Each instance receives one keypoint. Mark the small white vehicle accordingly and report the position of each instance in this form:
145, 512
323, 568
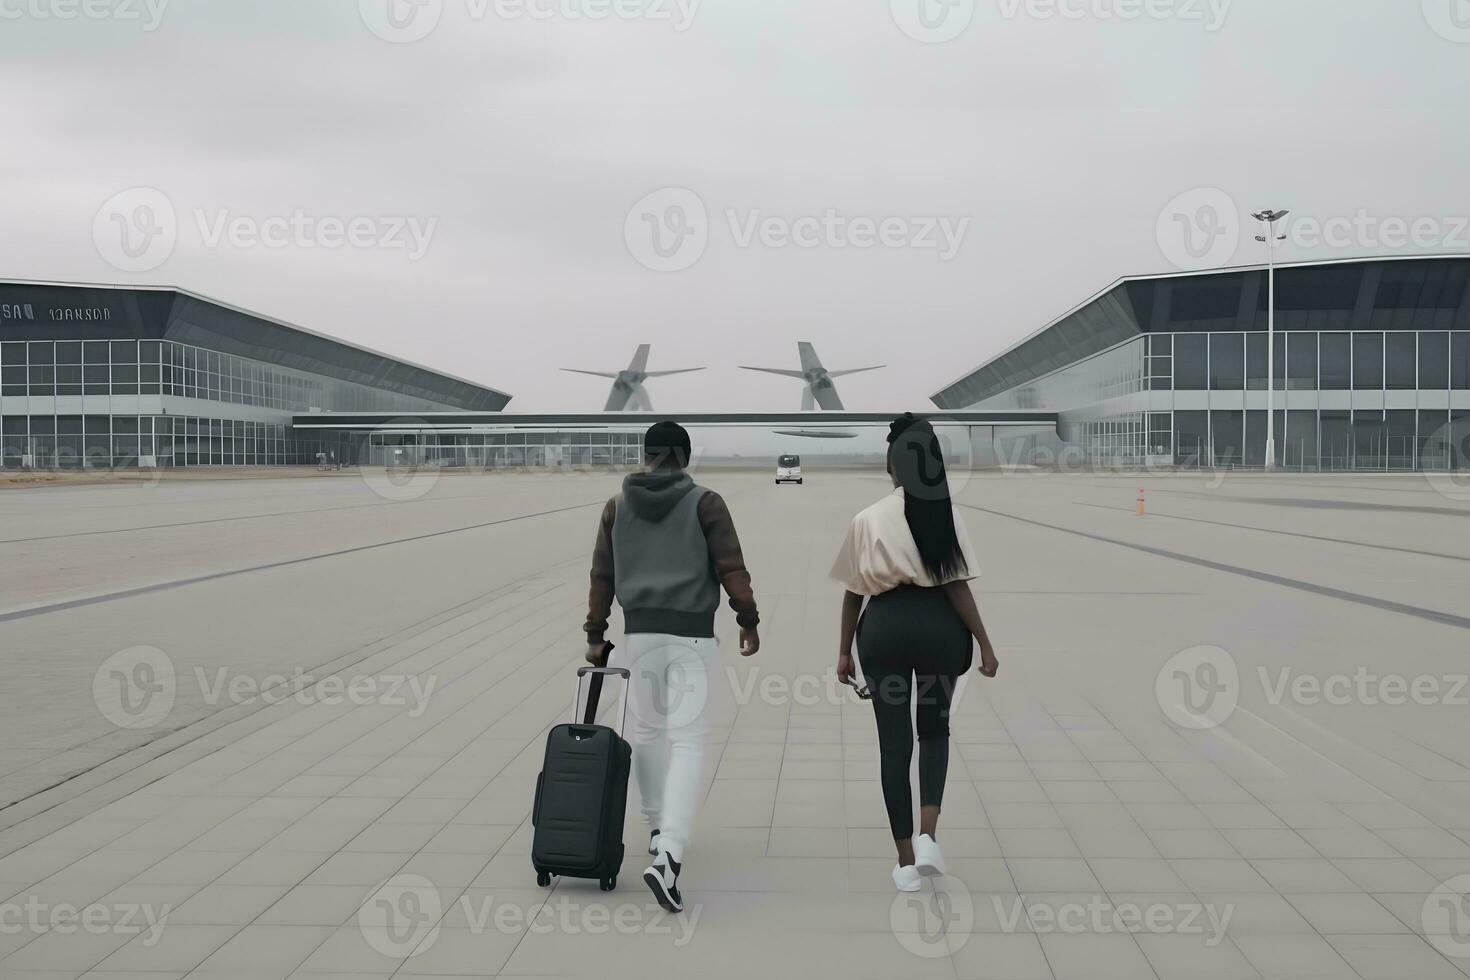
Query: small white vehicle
788, 469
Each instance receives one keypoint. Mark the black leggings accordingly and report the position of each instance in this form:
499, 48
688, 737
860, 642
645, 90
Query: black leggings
912, 646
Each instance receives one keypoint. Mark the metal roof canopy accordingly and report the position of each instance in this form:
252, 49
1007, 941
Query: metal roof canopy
449, 421
153, 312
1107, 318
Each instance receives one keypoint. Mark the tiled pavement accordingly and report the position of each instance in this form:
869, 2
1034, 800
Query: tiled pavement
1087, 835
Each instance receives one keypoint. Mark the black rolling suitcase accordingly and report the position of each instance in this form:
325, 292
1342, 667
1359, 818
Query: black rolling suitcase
582, 794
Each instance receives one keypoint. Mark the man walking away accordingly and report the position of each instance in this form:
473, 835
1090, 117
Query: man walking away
664, 548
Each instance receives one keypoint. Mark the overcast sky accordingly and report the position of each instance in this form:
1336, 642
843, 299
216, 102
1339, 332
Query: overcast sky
528, 186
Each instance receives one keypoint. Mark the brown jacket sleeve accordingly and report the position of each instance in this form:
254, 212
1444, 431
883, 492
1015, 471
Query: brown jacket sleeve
729, 562
600, 592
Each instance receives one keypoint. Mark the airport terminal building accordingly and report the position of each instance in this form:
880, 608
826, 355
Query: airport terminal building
102, 376
1372, 368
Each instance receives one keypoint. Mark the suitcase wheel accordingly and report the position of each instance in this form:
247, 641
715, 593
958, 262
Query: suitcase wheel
543, 879
608, 884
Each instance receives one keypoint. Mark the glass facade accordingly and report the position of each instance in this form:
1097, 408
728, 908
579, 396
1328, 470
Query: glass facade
1344, 401
95, 377
103, 441
1371, 371
45, 369
508, 448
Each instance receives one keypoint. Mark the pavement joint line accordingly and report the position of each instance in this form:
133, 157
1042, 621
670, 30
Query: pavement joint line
67, 604
1293, 534
244, 712
1387, 605
241, 517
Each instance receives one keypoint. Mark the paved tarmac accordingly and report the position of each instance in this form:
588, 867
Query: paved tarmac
299, 721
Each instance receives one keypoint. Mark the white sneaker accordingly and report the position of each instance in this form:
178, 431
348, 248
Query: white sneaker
928, 859
662, 878
906, 878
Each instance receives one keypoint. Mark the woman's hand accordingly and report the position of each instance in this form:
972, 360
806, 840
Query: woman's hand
844, 667
988, 664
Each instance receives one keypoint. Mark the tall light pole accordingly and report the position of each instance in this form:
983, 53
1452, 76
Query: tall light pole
1268, 221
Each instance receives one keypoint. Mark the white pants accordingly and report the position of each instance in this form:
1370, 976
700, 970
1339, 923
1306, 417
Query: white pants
668, 708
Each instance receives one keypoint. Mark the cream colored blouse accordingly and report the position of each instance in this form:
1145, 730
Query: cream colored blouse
879, 553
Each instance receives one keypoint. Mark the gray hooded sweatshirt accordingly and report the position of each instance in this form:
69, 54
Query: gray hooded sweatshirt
664, 575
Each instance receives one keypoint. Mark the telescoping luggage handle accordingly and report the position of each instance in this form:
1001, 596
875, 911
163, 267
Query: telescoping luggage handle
594, 693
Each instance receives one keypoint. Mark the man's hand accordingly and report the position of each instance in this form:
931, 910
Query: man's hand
750, 642
597, 653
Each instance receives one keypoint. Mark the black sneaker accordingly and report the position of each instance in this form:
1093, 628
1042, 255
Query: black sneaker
662, 878
652, 842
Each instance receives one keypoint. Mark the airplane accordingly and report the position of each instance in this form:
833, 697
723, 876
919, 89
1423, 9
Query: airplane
627, 393
820, 390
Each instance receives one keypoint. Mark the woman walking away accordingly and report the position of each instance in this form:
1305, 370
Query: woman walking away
910, 555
